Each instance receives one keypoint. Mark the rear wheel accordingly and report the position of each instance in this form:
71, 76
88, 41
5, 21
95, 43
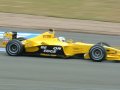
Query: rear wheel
97, 53
14, 48
21, 38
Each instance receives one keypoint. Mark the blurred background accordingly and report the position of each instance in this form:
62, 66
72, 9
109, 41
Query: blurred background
102, 10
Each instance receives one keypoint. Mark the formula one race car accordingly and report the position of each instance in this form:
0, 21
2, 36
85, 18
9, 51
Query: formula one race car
47, 44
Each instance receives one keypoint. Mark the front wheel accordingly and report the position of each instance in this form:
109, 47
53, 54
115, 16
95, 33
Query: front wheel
14, 48
97, 53
103, 44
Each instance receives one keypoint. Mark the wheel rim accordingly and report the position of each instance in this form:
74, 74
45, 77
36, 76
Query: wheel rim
13, 48
97, 54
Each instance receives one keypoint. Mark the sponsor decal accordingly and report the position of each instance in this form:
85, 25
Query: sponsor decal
51, 49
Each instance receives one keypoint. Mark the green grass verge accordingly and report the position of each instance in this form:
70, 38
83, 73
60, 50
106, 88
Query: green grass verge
103, 10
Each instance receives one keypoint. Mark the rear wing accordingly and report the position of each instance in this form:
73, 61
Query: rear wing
7, 36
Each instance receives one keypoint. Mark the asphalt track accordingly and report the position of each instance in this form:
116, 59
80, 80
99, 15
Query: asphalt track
40, 73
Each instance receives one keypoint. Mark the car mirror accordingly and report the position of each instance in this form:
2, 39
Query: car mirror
70, 41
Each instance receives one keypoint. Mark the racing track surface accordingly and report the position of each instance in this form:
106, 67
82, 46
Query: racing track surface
40, 73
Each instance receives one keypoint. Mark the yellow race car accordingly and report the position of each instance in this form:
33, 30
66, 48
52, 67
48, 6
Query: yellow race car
47, 44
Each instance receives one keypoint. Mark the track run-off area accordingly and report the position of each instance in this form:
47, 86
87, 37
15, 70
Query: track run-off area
43, 73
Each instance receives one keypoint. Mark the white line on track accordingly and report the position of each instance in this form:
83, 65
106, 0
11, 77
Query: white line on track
2, 49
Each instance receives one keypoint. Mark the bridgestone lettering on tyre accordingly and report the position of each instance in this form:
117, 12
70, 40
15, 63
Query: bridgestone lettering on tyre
97, 53
14, 48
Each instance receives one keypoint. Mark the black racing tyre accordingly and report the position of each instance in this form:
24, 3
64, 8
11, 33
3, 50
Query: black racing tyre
21, 38
14, 48
103, 44
97, 53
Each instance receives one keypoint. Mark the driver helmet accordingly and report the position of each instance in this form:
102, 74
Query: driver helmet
62, 39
